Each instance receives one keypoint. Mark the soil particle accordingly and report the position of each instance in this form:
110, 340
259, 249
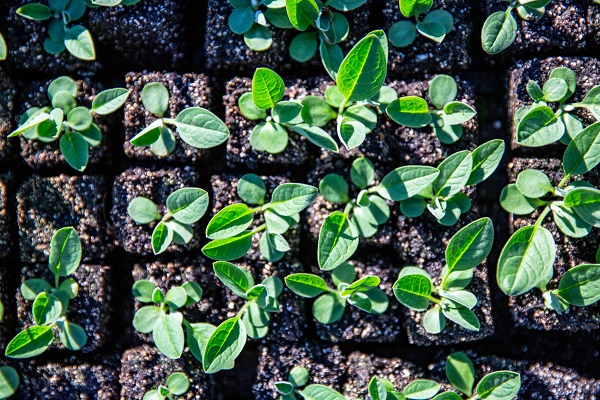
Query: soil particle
8, 94
157, 185
186, 90
6, 218
45, 205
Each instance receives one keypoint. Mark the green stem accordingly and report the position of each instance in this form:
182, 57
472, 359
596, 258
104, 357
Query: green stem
260, 228
542, 216
348, 208
434, 300
564, 181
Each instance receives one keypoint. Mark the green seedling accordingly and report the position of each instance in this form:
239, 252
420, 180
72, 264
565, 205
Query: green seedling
9, 382
539, 125
51, 303
184, 208
69, 123
196, 126
177, 385
330, 305
231, 231
3, 48
498, 385
500, 29
445, 119
435, 25
417, 188
62, 35
416, 290
295, 388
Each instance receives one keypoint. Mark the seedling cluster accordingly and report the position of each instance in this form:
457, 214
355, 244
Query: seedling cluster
434, 26
177, 385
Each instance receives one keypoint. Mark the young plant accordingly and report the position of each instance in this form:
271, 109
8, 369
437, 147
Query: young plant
252, 18
3, 48
538, 124
196, 126
498, 385
527, 259
446, 119
60, 14
297, 379
184, 208
435, 25
229, 230
51, 303
415, 288
9, 381
177, 385
417, 188
500, 29
329, 307
74, 125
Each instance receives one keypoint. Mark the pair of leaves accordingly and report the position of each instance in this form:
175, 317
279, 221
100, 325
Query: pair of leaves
177, 384
435, 26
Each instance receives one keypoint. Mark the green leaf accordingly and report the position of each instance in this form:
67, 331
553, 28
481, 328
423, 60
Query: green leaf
149, 134
9, 382
79, 43
441, 17
241, 20
30, 342
287, 112
580, 286
142, 290
362, 172
109, 101
555, 89
434, 320
421, 389
65, 252
145, 318
316, 136
485, 160
302, 13
460, 315
75, 150
249, 109
200, 128
534, 183
344, 273
513, 201
470, 245
198, 335
230, 221
35, 12
278, 17
79, 119
258, 38
320, 392
32, 287
410, 8
337, 241
402, 34
72, 336
586, 203
499, 32
583, 153
272, 137
414, 291
155, 97
143, 210
569, 222
176, 297
306, 285
298, 376
442, 90
535, 91
456, 113
433, 30
364, 69
168, 335
251, 189
162, 237
539, 127
279, 224
188, 205
568, 76
230, 248
500, 385
291, 198
3, 54
303, 46
351, 133
238, 279
592, 101
410, 111
332, 57
334, 188
329, 308
316, 111
461, 372
526, 260
46, 309
224, 345
178, 383
454, 174
406, 182
267, 88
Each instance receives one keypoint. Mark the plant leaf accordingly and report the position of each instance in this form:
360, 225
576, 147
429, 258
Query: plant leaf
267, 88
580, 285
306, 285
337, 241
461, 372
65, 252
230, 248
168, 335
499, 31
470, 245
79, 42
224, 345
109, 101
75, 150
499, 385
583, 153
30, 342
201, 128
291, 198
406, 182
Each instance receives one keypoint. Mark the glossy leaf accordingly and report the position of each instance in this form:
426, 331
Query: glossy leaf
337, 241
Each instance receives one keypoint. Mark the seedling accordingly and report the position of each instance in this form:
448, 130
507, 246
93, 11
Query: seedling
500, 29
3, 48
229, 230
196, 126
359, 78
499, 385
297, 379
50, 304
60, 14
177, 385
9, 381
416, 290
184, 208
538, 124
163, 318
74, 125
446, 119
527, 259
417, 188
252, 18
434, 26
329, 307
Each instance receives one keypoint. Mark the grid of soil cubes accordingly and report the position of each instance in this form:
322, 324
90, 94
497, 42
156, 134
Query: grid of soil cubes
188, 47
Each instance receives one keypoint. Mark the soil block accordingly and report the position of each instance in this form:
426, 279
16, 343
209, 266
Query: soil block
144, 368
91, 309
8, 94
8, 282
186, 90
150, 34
26, 46
593, 25
72, 379
46, 204
421, 145
587, 71
326, 365
561, 29
424, 56
42, 156
225, 49
422, 242
362, 367
359, 326
157, 185
528, 310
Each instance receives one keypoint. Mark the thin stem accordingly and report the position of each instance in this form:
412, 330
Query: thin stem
564, 181
348, 208
542, 216
260, 228
434, 300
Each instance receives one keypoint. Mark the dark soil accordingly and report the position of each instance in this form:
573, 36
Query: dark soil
45, 205
157, 185
424, 56
6, 218
187, 90
8, 93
